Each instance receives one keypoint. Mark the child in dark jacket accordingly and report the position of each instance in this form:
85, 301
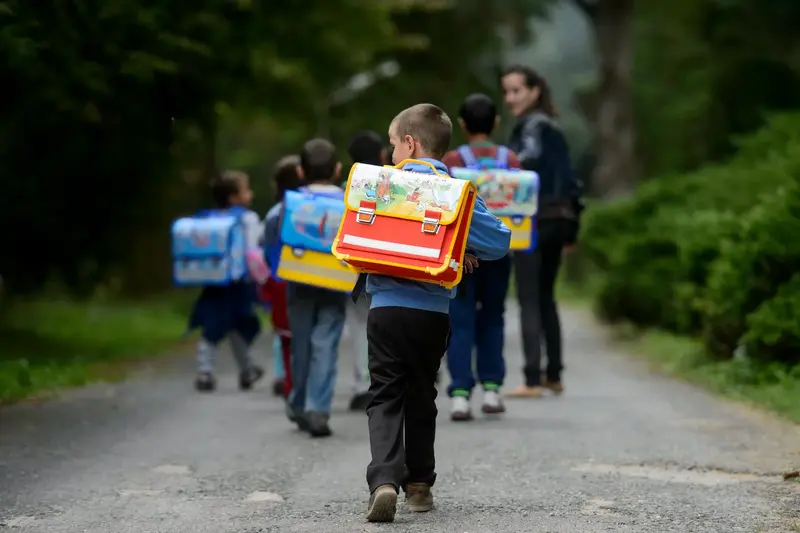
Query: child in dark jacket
408, 331
229, 310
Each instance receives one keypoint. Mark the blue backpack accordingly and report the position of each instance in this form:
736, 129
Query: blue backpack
209, 248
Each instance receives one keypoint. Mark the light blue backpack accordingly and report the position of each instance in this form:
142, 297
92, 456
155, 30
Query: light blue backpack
209, 248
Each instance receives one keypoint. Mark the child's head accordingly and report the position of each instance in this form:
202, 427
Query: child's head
286, 176
423, 130
367, 147
478, 115
231, 188
318, 162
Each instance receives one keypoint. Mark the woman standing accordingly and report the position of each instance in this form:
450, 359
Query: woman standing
540, 146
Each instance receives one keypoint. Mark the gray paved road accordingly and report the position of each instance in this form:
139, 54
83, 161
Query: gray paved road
622, 450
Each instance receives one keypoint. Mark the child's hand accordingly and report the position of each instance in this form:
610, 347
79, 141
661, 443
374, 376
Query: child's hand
470, 263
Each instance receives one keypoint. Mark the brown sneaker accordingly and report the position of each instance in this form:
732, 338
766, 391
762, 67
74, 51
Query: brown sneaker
419, 497
526, 392
382, 504
554, 386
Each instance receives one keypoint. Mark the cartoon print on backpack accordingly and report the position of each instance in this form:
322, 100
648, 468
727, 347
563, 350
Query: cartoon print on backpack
402, 193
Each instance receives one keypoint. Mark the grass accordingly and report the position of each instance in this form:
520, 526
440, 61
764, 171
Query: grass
770, 386
47, 344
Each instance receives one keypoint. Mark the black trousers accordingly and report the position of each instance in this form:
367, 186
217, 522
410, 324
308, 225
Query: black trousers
535, 276
405, 350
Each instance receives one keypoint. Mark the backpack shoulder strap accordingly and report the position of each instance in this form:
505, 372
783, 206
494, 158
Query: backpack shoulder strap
501, 158
467, 156
237, 211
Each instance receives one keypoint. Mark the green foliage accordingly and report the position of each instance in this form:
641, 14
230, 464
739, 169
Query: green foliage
712, 252
751, 270
118, 111
103, 99
708, 69
50, 344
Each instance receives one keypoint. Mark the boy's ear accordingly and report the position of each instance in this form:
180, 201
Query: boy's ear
463, 125
337, 172
300, 173
496, 121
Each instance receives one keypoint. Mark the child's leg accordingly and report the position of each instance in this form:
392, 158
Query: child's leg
462, 342
405, 350
205, 365
241, 351
286, 356
325, 337
301, 308
493, 278
205, 356
361, 366
432, 338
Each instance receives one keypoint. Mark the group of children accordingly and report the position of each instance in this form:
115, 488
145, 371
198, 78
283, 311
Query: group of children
406, 327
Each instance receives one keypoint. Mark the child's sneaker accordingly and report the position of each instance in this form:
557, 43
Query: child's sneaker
492, 403
248, 377
205, 382
382, 504
360, 402
419, 497
278, 387
461, 411
318, 424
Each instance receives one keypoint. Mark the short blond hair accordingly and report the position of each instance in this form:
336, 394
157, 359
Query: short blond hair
427, 124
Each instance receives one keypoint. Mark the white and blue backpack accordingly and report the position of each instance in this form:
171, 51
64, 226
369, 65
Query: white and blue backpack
500, 162
209, 248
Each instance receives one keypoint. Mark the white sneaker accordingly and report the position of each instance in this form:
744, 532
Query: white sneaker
492, 403
461, 410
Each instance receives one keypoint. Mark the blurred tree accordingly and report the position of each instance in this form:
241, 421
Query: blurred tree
609, 104
707, 70
99, 91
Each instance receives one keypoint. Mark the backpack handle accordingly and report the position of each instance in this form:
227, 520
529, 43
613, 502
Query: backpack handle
400, 165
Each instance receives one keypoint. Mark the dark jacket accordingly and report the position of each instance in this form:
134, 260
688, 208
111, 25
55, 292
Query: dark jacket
540, 146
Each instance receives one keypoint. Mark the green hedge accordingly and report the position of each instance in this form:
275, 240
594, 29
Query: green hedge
713, 253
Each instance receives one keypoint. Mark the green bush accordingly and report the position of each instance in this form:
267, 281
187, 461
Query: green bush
753, 268
711, 252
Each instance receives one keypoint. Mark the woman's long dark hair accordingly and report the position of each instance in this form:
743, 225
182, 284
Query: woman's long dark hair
534, 80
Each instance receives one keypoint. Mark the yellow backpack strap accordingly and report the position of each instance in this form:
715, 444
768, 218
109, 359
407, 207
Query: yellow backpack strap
404, 162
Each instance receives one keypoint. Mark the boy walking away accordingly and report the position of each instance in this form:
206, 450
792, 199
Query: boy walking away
476, 314
316, 315
408, 331
228, 310
365, 147
274, 290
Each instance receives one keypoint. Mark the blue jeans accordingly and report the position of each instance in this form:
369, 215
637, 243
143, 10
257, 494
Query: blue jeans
476, 321
316, 318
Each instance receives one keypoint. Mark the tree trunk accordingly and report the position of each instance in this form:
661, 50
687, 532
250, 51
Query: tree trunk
609, 105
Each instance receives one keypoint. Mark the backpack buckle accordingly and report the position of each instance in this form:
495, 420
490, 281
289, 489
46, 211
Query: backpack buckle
430, 223
366, 212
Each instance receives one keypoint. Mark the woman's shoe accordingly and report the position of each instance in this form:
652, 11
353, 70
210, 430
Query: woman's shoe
523, 391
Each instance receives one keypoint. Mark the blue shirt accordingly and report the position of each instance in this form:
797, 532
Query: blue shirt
488, 239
